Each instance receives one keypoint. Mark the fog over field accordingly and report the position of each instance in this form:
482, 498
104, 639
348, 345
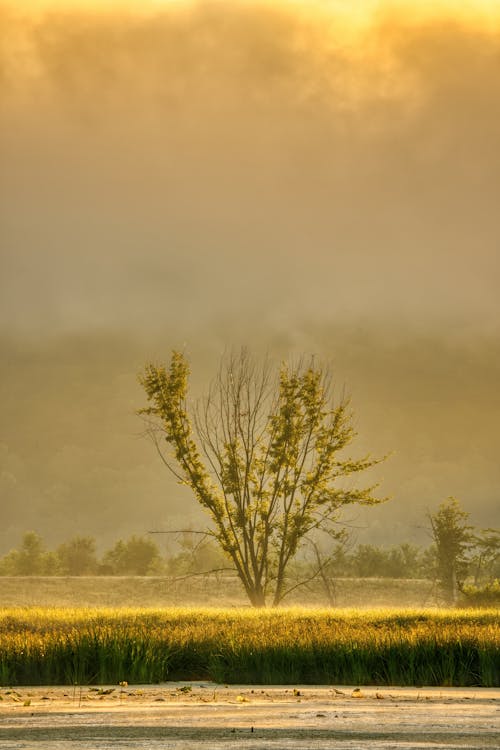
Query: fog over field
283, 175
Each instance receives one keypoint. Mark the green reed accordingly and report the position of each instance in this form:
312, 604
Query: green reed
61, 646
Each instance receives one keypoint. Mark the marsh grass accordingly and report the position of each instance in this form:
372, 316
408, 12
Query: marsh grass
288, 646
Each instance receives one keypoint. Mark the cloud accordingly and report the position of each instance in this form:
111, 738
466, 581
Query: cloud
216, 158
211, 174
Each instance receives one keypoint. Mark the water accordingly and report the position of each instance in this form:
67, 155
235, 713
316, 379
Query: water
210, 717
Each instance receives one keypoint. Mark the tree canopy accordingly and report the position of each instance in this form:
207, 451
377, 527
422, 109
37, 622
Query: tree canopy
453, 538
263, 454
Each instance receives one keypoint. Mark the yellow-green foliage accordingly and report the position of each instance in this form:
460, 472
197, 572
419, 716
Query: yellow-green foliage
487, 595
51, 646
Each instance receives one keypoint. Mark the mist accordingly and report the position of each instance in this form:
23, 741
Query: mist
213, 174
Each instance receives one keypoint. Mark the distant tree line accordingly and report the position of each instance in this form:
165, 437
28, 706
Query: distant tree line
477, 557
78, 557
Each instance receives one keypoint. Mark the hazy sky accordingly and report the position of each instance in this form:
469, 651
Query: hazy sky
296, 176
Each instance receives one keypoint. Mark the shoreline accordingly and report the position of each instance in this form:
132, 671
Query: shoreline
209, 716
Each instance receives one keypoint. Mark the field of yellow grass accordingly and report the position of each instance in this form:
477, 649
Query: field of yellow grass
285, 646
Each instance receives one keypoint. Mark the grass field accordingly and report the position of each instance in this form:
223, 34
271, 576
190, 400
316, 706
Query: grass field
82, 646
201, 591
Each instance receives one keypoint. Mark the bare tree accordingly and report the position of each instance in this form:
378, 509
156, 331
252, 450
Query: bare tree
262, 454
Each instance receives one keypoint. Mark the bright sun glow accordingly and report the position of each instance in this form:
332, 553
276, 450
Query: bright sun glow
347, 8
351, 19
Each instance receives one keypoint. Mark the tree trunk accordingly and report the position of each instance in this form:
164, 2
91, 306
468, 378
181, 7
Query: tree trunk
257, 598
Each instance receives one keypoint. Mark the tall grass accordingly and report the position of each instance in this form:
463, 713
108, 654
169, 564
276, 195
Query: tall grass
440, 648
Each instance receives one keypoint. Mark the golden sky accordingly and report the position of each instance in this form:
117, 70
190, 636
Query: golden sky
231, 108
359, 10
237, 175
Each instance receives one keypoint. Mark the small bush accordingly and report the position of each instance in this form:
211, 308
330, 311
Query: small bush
481, 596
